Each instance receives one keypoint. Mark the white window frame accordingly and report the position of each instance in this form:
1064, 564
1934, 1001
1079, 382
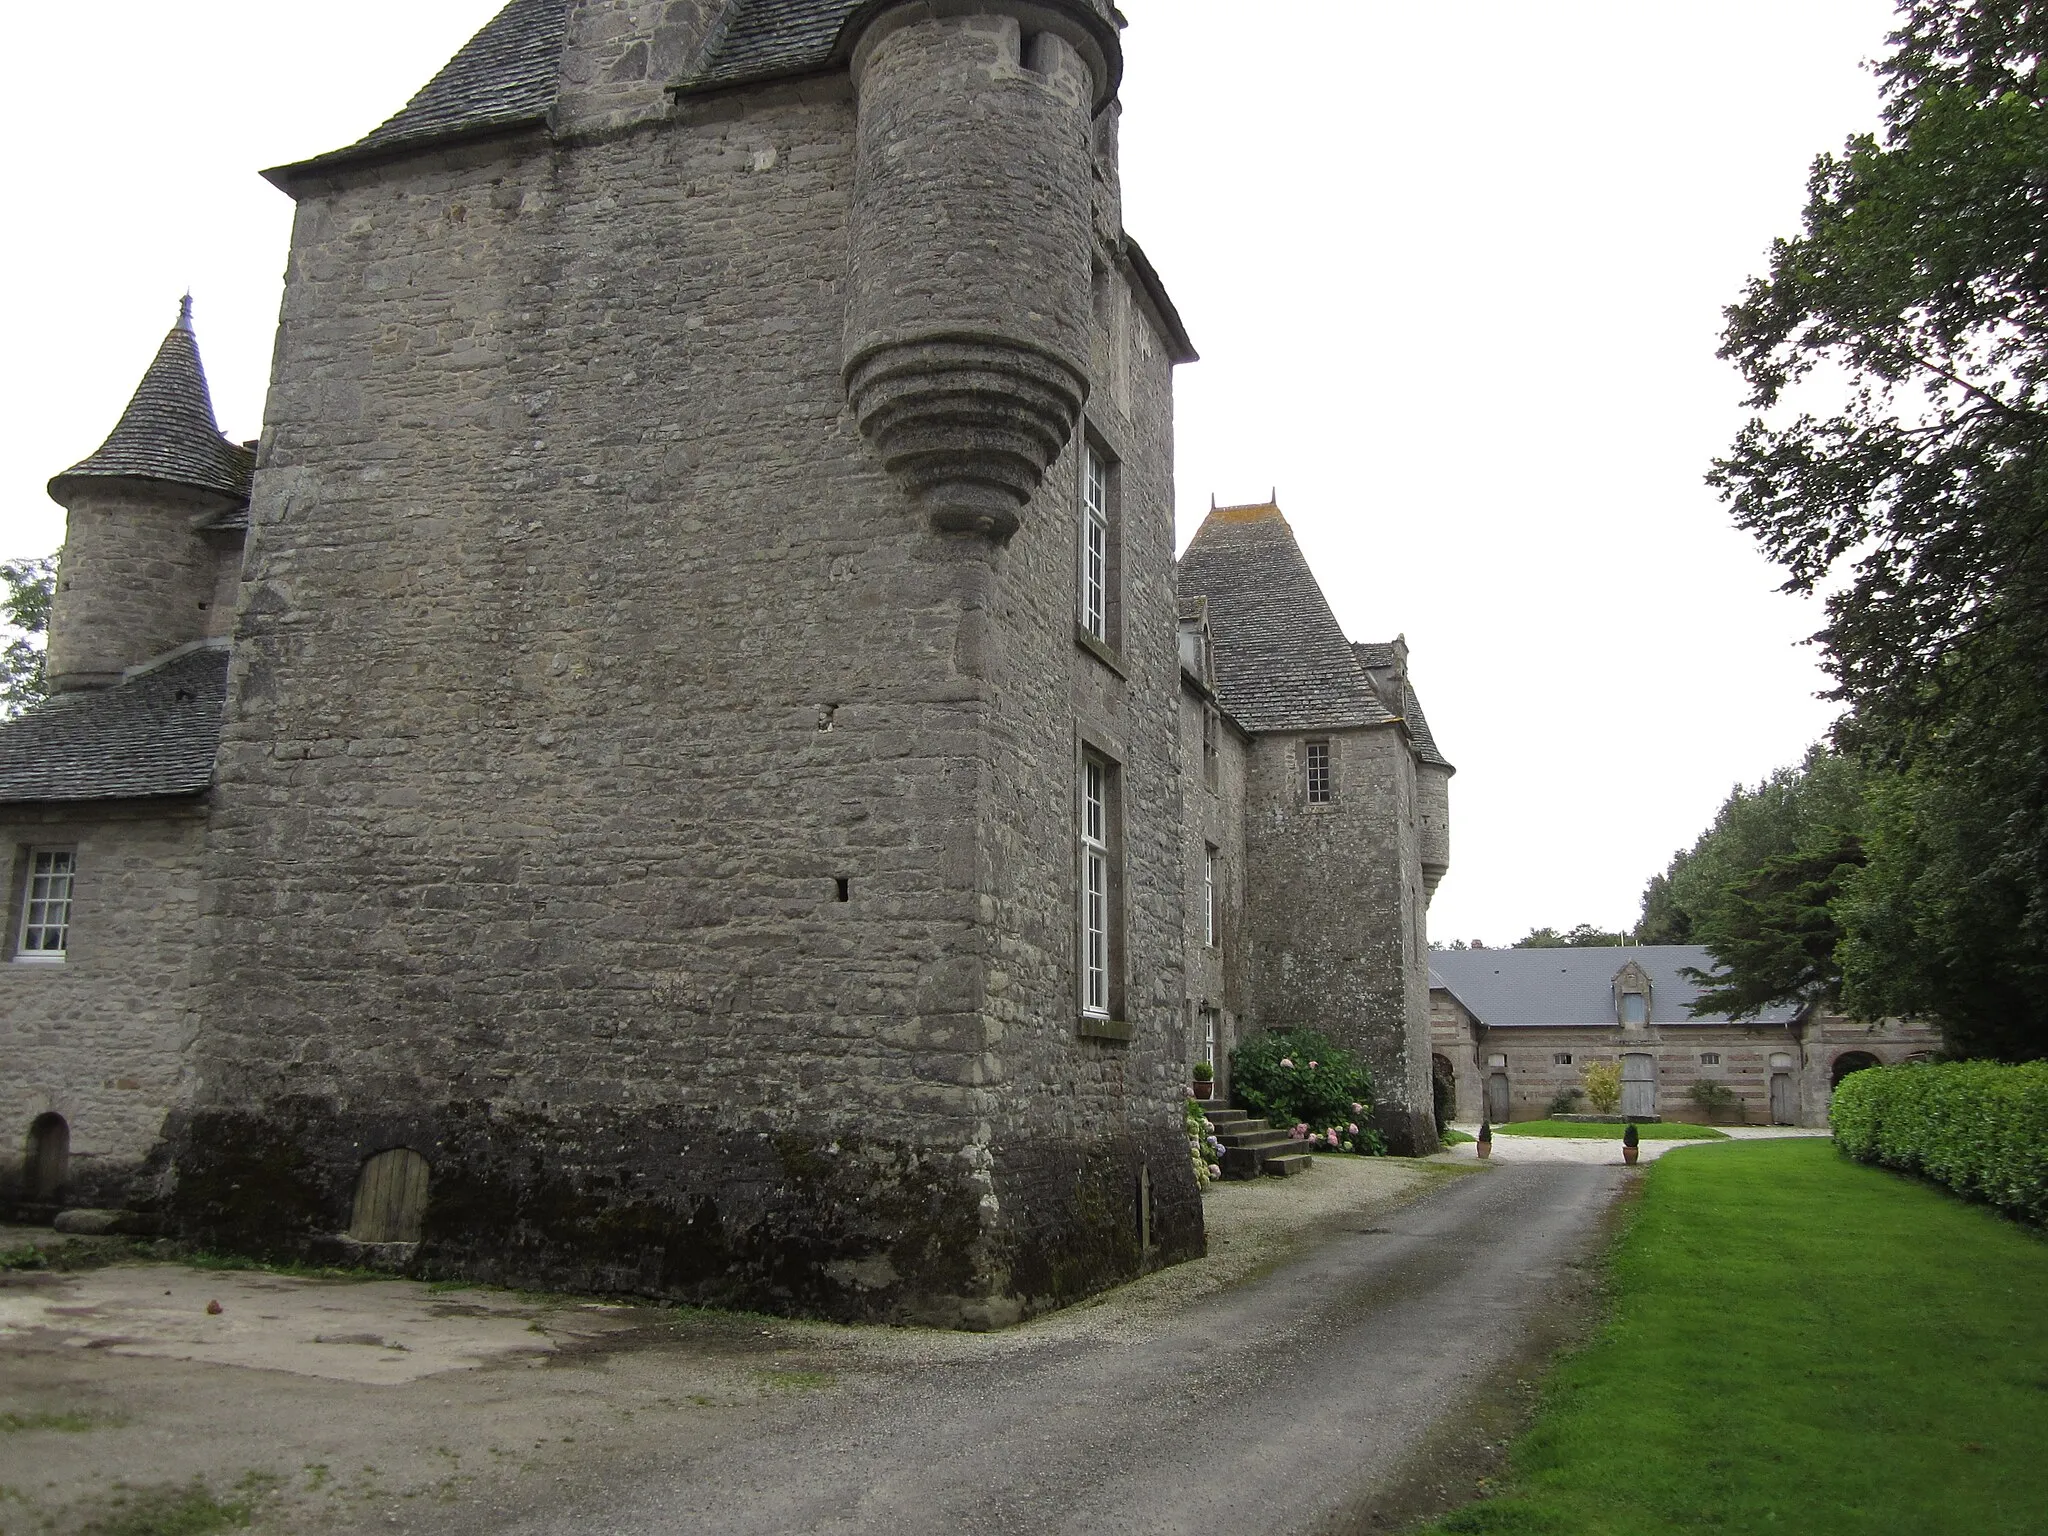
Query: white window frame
1095, 551
1211, 1018
1209, 857
1318, 772
46, 894
1095, 888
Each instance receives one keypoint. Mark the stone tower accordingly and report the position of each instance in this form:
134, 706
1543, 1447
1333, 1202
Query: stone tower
153, 530
698, 795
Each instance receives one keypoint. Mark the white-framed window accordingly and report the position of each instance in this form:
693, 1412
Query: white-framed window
46, 904
1561, 1059
1315, 762
1095, 542
1710, 1058
1210, 1019
1209, 857
1095, 887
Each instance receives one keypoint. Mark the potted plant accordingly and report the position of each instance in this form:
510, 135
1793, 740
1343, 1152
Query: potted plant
1484, 1145
1205, 1079
1630, 1145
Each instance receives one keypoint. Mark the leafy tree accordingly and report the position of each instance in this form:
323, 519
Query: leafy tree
1585, 936
26, 588
1775, 932
1920, 503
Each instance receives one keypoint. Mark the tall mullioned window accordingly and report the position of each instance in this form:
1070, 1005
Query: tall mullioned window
46, 905
1315, 759
1095, 547
1095, 894
1209, 897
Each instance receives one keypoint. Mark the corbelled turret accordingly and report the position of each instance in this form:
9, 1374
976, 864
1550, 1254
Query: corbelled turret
969, 296
153, 528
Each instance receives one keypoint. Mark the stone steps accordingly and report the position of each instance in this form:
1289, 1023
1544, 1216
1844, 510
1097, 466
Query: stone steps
1252, 1147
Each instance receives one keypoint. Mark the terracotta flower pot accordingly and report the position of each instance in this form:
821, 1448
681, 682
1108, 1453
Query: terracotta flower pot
1201, 1090
1485, 1148
1630, 1154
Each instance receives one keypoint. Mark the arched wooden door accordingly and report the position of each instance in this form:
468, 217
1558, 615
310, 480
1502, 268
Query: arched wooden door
47, 1161
391, 1198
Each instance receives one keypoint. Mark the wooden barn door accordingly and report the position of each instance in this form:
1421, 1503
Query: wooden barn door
1638, 1083
1497, 1098
1783, 1110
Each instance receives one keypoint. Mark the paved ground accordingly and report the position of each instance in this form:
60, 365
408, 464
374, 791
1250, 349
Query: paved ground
1290, 1381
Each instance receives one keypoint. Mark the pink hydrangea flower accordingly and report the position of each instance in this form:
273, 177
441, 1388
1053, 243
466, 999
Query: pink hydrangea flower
1358, 1109
1353, 1129
1286, 1062
1311, 1063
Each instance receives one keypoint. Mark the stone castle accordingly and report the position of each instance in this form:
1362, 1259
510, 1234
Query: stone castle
683, 762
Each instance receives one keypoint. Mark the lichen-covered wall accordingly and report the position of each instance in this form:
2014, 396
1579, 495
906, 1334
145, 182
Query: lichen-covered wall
584, 650
101, 1037
1335, 905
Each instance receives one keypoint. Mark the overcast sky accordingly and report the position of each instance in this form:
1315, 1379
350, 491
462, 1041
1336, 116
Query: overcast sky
1456, 274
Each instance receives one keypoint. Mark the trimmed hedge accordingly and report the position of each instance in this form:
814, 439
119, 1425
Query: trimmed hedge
1977, 1126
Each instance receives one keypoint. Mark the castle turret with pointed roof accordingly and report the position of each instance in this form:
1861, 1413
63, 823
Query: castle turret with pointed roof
154, 527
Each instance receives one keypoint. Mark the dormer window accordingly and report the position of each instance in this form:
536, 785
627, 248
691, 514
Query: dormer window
1632, 996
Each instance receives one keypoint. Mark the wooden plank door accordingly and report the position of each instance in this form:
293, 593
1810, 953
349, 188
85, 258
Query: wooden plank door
1638, 1083
1783, 1111
391, 1198
1497, 1098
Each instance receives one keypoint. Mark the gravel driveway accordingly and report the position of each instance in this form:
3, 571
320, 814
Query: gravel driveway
1304, 1377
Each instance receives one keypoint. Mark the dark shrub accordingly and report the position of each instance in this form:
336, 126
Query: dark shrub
1296, 1078
1566, 1101
1979, 1127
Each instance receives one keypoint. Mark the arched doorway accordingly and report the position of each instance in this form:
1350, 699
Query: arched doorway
1444, 1089
391, 1198
1851, 1061
47, 1163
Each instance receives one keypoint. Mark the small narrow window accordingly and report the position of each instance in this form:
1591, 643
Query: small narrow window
1210, 1018
1212, 724
46, 905
1095, 892
1562, 1059
1316, 764
1209, 897
1100, 615
844, 888
1710, 1058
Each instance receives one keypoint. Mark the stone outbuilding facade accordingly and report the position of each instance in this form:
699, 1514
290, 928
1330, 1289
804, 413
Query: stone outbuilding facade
672, 774
1513, 1028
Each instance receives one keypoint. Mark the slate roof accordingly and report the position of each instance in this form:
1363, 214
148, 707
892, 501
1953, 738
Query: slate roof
1282, 662
1376, 656
503, 77
1527, 988
154, 734
168, 431
770, 39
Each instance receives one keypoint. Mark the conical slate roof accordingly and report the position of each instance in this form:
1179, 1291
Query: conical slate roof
168, 431
1282, 662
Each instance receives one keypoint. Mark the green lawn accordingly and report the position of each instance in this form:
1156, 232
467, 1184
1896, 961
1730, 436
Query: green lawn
1802, 1344
1593, 1131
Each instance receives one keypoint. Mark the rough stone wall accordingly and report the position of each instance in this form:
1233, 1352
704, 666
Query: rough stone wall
137, 579
101, 1037
1213, 818
619, 57
1454, 1035
1433, 824
1334, 907
1828, 1037
584, 648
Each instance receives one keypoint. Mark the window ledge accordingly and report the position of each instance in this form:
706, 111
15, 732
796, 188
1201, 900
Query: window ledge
38, 960
1092, 1028
1101, 651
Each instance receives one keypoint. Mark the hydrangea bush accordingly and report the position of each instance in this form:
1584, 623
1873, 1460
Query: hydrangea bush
1203, 1146
1297, 1079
